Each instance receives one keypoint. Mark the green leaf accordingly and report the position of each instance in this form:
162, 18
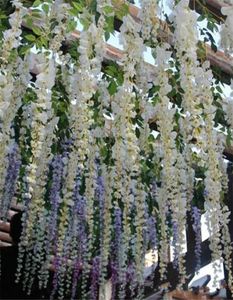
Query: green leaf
77, 6
201, 18
214, 47
29, 21
30, 37
85, 22
137, 131
37, 30
45, 8
122, 11
155, 100
108, 9
36, 3
73, 12
44, 41
2, 16
36, 12
71, 26
229, 138
210, 26
151, 138
109, 24
107, 36
53, 24
24, 49
112, 88
111, 70
156, 88
219, 89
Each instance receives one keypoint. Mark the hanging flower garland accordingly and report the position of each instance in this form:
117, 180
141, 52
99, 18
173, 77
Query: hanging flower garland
213, 184
90, 160
12, 84
42, 128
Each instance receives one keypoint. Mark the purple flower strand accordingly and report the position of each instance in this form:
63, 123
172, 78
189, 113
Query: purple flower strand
95, 274
80, 211
196, 215
151, 231
100, 196
131, 272
57, 166
77, 269
153, 191
80, 234
56, 266
114, 278
116, 249
99, 193
174, 243
14, 163
131, 278
54, 196
117, 229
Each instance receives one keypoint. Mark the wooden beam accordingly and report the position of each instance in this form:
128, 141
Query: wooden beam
5, 226
5, 237
4, 244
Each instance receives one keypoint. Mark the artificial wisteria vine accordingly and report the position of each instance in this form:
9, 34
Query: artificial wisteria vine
108, 154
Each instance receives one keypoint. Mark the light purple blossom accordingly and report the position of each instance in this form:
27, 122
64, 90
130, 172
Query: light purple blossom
205, 193
80, 211
95, 274
153, 191
56, 266
116, 248
14, 163
54, 195
130, 273
151, 231
77, 269
131, 278
79, 232
174, 243
114, 278
117, 229
100, 196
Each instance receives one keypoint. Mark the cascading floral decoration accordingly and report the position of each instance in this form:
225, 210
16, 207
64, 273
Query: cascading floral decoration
79, 151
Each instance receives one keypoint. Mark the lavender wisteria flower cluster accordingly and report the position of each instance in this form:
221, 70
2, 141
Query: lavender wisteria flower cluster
107, 153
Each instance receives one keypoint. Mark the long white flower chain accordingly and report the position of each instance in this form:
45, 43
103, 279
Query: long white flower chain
165, 115
11, 38
42, 128
125, 149
213, 175
148, 18
13, 84
83, 86
186, 38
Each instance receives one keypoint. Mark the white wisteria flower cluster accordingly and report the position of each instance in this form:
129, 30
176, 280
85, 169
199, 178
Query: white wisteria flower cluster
226, 30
